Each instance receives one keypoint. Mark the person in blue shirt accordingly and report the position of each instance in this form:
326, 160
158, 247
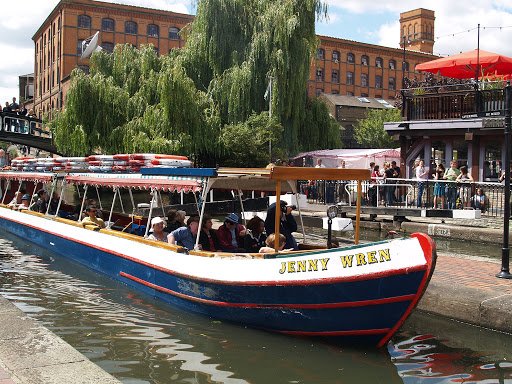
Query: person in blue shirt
185, 236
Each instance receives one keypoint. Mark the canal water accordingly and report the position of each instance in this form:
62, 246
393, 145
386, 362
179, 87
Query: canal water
140, 340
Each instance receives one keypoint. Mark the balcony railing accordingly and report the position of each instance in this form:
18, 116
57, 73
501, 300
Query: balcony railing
452, 102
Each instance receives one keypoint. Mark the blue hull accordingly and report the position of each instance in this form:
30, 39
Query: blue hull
366, 309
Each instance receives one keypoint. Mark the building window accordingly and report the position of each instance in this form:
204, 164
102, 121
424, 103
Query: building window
174, 33
350, 78
392, 64
108, 47
335, 76
108, 25
153, 30
320, 54
351, 59
335, 92
156, 50
405, 66
319, 74
378, 62
364, 79
84, 68
350, 93
378, 81
365, 95
364, 60
130, 27
336, 56
391, 84
79, 47
319, 91
84, 21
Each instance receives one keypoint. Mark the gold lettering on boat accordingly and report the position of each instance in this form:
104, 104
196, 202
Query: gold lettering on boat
347, 261
310, 265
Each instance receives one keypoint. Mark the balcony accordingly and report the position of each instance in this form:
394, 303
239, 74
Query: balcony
463, 101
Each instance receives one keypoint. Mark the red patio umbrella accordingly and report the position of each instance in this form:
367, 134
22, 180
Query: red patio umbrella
463, 65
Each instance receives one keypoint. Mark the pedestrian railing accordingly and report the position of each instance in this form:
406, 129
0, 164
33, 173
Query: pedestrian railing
14, 123
442, 194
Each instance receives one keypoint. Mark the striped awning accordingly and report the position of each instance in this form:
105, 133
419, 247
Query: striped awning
136, 181
27, 176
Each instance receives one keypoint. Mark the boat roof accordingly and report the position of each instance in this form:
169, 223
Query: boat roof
195, 179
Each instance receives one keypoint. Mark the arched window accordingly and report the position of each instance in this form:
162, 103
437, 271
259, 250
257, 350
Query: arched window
108, 25
335, 76
320, 54
391, 84
364, 60
84, 21
350, 78
336, 56
130, 27
79, 47
405, 66
351, 58
109, 47
379, 62
409, 32
174, 33
392, 64
153, 30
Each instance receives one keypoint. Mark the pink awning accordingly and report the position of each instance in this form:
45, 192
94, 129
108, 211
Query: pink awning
27, 176
137, 183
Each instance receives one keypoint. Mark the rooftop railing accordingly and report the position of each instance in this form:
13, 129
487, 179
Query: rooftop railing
453, 101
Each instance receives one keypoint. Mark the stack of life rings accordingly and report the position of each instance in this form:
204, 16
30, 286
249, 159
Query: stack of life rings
100, 163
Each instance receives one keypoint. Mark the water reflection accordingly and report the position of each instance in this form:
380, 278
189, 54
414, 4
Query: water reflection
140, 340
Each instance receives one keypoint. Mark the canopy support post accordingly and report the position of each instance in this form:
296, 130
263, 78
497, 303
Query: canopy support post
241, 204
358, 211
60, 198
277, 222
83, 202
201, 216
153, 194
197, 203
54, 185
131, 199
161, 203
32, 195
7, 185
121, 201
116, 190
99, 199
300, 217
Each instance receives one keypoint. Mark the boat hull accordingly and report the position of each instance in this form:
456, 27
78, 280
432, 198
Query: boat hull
314, 294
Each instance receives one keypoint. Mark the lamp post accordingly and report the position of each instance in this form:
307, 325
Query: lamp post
403, 61
505, 251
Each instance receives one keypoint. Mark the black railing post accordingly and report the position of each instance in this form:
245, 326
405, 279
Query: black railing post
505, 251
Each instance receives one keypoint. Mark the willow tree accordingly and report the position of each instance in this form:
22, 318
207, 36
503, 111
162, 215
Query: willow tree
135, 101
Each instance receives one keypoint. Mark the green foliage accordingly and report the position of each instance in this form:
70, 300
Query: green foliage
370, 131
194, 100
248, 142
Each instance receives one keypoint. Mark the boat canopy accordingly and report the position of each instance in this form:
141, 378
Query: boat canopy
28, 176
137, 181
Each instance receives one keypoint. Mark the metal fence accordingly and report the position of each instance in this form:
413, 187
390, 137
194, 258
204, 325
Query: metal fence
410, 193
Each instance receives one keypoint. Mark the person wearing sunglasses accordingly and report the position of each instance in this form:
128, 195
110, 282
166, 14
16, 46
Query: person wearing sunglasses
91, 221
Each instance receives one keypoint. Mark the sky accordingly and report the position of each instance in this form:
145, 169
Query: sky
368, 21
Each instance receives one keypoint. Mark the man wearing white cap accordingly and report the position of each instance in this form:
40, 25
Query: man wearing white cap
157, 230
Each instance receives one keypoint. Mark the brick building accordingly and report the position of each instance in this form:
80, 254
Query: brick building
341, 66
58, 41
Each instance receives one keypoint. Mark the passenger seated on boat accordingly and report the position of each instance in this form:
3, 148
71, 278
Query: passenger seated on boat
288, 223
269, 248
25, 201
157, 230
208, 238
255, 237
42, 201
16, 200
175, 220
231, 234
185, 236
54, 203
91, 219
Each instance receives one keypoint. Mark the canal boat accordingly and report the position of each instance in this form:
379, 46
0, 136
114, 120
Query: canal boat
359, 293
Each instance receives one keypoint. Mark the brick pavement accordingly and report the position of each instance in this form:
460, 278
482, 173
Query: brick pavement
471, 272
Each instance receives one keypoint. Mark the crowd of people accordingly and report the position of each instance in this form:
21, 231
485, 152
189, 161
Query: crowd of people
257, 236
11, 110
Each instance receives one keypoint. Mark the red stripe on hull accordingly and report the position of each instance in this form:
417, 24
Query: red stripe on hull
355, 332
349, 304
